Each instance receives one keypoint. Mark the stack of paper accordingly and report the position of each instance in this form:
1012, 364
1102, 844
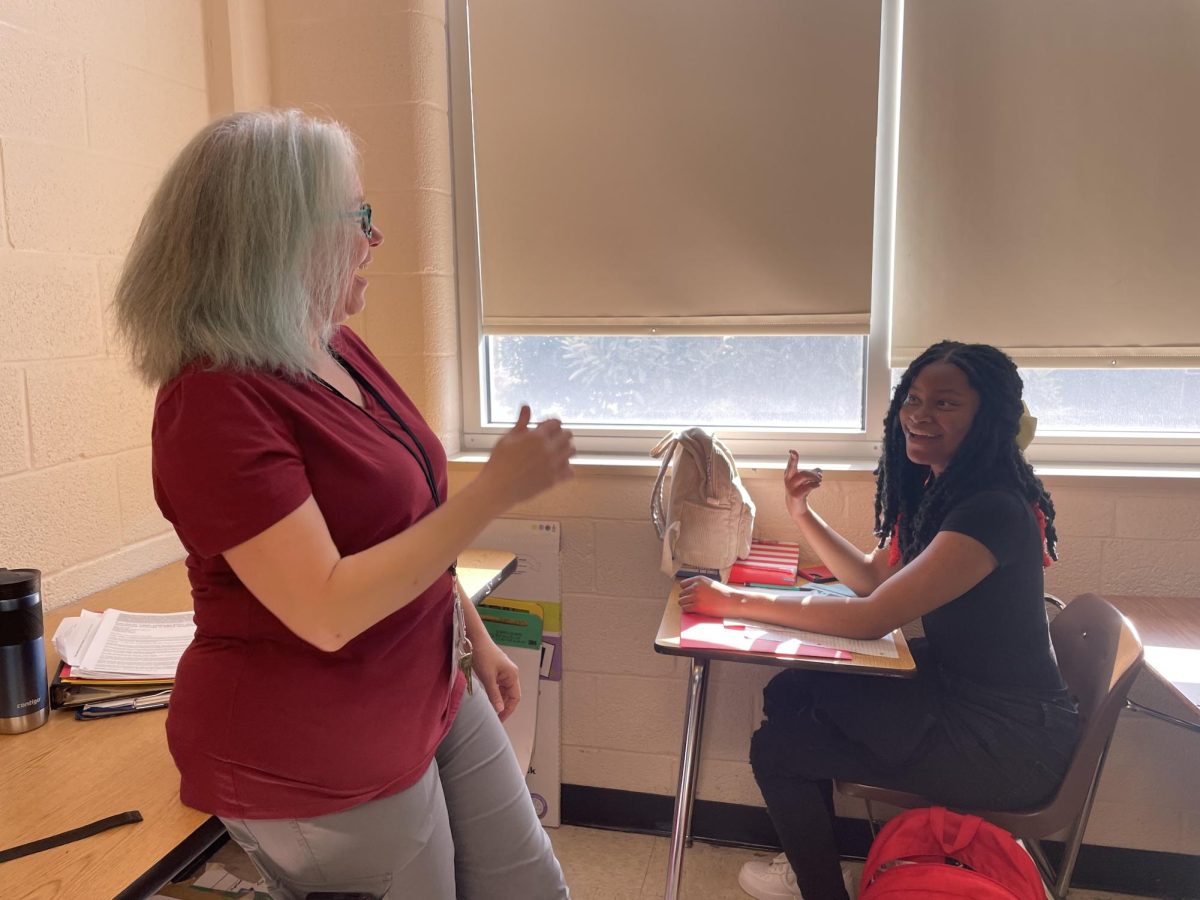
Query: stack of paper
748, 637
117, 662
769, 562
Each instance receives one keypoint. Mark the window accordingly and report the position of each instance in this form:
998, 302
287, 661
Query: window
784, 383
622, 351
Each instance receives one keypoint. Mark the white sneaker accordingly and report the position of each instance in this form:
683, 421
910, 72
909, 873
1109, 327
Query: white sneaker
775, 880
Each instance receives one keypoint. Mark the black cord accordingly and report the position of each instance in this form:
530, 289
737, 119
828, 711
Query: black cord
424, 463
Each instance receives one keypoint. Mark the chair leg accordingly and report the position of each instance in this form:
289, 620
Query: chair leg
1075, 838
1039, 858
870, 818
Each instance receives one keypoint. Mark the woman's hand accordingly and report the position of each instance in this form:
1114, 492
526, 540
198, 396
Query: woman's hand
527, 461
498, 675
797, 485
706, 597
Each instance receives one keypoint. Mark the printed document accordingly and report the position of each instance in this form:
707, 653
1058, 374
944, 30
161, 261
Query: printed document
124, 645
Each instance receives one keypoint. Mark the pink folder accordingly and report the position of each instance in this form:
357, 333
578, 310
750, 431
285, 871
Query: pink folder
712, 634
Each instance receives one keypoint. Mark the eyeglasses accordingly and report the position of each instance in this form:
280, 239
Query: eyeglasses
364, 213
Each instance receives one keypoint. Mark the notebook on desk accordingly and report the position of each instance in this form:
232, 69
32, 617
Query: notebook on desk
716, 634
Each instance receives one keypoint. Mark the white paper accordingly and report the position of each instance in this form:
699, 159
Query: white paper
74, 634
536, 545
885, 646
217, 878
136, 645
521, 726
831, 589
544, 775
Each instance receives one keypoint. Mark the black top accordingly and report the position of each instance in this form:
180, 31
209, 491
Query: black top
996, 634
16, 584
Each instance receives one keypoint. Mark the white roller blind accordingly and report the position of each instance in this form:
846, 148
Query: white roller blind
674, 165
1049, 180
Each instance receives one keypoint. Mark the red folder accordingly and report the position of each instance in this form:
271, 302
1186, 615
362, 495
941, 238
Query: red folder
712, 634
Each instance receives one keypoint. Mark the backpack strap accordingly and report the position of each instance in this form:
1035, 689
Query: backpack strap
729, 471
665, 449
698, 444
968, 827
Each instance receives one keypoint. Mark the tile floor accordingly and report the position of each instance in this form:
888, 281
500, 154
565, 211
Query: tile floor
615, 865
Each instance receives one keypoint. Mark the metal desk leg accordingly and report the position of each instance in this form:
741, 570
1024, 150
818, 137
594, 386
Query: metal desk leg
703, 690
688, 765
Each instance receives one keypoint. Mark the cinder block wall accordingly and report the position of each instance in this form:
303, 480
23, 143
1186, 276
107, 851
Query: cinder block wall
623, 703
379, 66
74, 480
95, 99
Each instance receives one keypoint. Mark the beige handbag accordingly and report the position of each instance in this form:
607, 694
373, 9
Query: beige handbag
709, 516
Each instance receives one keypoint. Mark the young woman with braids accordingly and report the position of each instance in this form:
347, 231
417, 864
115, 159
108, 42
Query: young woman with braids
965, 529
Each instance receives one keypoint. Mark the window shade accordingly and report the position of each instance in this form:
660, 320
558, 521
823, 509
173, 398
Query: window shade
674, 166
1049, 180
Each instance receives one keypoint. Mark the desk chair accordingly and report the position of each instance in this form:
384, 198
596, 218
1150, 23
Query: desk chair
1099, 654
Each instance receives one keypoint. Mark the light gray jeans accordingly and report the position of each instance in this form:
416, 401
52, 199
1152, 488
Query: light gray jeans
466, 830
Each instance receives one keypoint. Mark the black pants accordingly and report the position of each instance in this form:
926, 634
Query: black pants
955, 742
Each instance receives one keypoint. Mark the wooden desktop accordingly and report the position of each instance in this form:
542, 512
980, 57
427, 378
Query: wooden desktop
70, 773
1169, 628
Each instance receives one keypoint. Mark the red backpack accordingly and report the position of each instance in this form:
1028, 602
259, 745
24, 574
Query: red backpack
935, 854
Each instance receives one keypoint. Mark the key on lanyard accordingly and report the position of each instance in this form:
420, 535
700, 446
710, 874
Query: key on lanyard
466, 657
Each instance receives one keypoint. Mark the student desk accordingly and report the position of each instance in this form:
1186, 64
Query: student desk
667, 641
70, 773
1170, 632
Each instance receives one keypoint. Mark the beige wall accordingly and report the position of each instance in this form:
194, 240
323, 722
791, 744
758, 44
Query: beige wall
102, 93
380, 68
95, 98
623, 704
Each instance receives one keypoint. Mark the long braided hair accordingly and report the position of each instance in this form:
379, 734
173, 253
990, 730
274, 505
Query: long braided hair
908, 506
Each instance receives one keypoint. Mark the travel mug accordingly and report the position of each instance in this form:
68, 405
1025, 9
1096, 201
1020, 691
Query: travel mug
24, 694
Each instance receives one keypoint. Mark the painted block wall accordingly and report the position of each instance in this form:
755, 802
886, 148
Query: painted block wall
96, 96
77, 158
623, 704
379, 67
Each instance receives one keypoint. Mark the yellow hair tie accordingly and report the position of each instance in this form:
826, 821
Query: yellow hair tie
1027, 430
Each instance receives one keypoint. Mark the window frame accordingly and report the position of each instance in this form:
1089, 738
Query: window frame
853, 446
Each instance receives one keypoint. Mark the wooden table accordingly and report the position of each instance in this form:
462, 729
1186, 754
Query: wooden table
70, 773
1170, 632
667, 641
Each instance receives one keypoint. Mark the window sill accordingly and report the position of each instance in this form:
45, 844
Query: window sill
752, 466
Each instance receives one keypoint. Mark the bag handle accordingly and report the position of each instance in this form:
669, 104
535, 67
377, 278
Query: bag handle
719, 449
968, 827
666, 449
692, 444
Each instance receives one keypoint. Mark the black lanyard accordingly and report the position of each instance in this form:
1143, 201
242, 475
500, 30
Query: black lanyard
423, 461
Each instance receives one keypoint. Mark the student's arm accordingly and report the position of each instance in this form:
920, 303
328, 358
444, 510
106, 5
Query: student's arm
950, 566
861, 572
296, 571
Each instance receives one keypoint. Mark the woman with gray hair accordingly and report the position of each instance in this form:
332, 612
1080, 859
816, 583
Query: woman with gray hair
340, 706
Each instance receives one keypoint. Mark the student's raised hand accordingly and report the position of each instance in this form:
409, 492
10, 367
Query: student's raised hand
705, 597
527, 461
798, 484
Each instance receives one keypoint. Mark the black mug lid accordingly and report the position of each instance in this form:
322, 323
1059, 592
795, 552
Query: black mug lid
17, 583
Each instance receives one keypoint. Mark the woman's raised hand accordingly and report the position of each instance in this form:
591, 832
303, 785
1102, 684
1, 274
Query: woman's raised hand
527, 461
798, 484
